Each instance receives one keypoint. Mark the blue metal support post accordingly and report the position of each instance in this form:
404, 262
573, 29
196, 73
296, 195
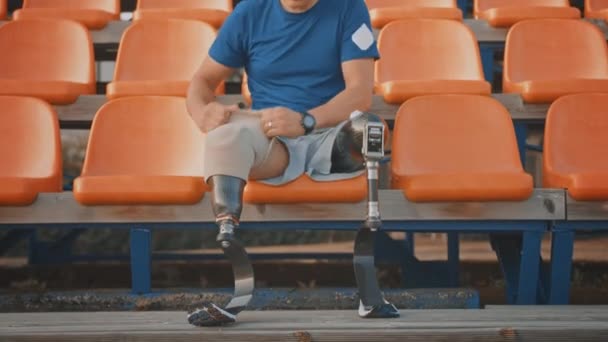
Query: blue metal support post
487, 60
141, 269
521, 133
454, 259
561, 264
529, 268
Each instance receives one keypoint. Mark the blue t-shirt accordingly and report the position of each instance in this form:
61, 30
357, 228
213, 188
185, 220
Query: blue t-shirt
294, 60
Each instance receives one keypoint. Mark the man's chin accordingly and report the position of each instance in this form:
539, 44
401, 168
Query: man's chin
298, 6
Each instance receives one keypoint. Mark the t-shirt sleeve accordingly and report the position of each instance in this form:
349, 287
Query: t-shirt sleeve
358, 40
229, 47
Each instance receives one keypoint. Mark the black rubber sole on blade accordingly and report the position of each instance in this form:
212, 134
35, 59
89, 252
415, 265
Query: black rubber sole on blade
210, 315
382, 311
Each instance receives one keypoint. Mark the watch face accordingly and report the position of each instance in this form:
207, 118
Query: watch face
309, 122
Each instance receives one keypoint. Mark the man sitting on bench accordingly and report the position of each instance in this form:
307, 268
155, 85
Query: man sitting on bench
310, 64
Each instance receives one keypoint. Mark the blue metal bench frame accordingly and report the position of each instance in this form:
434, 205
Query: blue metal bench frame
581, 216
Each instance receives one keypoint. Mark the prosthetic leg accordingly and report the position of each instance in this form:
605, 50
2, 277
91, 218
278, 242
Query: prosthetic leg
227, 206
365, 134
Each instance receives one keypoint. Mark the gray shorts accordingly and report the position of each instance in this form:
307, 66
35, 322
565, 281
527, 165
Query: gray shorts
311, 154
235, 148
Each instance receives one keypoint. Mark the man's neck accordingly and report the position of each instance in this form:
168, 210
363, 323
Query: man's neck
297, 8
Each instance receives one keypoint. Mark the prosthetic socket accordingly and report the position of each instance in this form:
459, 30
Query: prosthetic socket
227, 203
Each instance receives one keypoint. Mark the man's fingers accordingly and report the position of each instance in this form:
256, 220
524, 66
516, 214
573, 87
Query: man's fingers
271, 133
231, 108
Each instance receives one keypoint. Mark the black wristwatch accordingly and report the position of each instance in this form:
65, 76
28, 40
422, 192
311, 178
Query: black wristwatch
308, 122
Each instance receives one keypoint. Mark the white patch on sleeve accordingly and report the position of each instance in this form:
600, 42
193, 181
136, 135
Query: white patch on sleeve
363, 37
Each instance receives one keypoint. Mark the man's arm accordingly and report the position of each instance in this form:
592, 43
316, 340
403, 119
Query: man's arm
200, 100
357, 95
206, 79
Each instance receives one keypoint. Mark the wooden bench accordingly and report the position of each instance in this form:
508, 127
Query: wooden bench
585, 323
79, 115
530, 218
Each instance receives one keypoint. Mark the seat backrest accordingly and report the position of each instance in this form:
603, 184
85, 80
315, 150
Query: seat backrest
427, 49
592, 6
43, 50
30, 143
225, 5
410, 3
3, 9
482, 5
166, 50
147, 136
575, 133
554, 49
453, 133
112, 6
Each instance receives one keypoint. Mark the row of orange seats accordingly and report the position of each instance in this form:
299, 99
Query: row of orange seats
498, 13
95, 14
147, 150
544, 59
54, 60
504, 13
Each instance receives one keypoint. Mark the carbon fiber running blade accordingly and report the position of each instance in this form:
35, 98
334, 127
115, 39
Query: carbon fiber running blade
243, 277
365, 269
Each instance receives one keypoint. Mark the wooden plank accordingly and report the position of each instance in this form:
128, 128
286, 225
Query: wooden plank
553, 309
485, 33
444, 325
111, 34
63, 209
80, 114
587, 210
521, 111
413, 335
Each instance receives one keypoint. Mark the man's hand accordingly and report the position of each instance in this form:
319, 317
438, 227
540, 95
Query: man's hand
213, 115
281, 121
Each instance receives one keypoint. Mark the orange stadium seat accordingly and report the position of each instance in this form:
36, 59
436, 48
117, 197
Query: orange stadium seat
30, 150
382, 12
596, 9
160, 57
142, 150
306, 190
457, 148
3, 9
49, 59
94, 14
504, 13
213, 12
549, 58
423, 57
575, 146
